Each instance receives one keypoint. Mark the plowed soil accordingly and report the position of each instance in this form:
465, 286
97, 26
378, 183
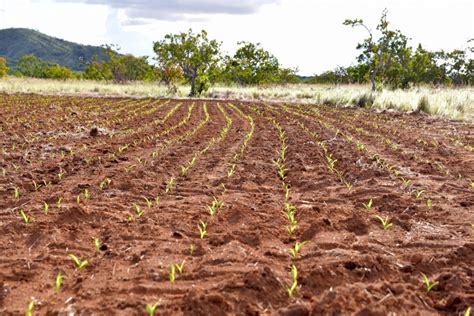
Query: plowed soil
100, 157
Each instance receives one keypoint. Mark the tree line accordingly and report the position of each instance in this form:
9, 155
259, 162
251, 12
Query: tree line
385, 60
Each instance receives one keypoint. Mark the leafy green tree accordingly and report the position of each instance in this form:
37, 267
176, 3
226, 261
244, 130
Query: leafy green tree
58, 72
31, 66
97, 70
3, 67
386, 54
252, 65
195, 54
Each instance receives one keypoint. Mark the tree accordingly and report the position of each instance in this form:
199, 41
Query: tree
386, 55
195, 54
31, 66
252, 65
58, 72
3, 67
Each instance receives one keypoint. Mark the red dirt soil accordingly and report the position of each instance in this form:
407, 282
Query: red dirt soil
416, 169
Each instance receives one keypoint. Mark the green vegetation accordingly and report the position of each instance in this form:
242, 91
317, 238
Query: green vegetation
58, 282
385, 222
3, 67
151, 308
79, 262
429, 285
18, 42
294, 281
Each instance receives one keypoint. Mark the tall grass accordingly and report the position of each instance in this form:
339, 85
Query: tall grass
455, 103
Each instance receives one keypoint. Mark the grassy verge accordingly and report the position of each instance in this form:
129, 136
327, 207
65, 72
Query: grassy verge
449, 102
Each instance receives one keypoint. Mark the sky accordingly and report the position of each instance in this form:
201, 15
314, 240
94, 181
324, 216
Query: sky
307, 34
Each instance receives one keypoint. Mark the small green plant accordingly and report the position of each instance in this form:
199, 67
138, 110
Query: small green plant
202, 229
45, 208
297, 248
149, 202
79, 262
368, 206
97, 243
58, 282
87, 194
61, 174
29, 310
192, 249
36, 185
104, 184
170, 185
151, 308
294, 281
231, 170
471, 183
385, 222
78, 199
16, 194
419, 193
180, 267
467, 312
172, 274
26, 219
138, 210
429, 285
215, 205
59, 202
429, 203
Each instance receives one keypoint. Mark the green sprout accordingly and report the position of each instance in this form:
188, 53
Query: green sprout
368, 205
172, 273
27, 219
149, 202
97, 243
170, 185
471, 183
151, 308
192, 249
406, 182
385, 222
180, 267
80, 264
202, 229
231, 170
29, 311
61, 174
87, 194
215, 205
419, 193
78, 199
292, 228
429, 203
16, 194
297, 248
45, 208
429, 285
36, 185
467, 312
138, 210
59, 282
294, 284
104, 184
59, 202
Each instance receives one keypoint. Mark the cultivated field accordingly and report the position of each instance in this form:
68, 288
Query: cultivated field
213, 208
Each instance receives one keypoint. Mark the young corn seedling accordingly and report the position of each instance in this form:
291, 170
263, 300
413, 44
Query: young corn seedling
429, 285
36, 185
297, 248
368, 205
151, 308
292, 228
61, 175
419, 193
180, 267
286, 187
231, 170
79, 262
58, 282
59, 202
202, 229
294, 283
29, 310
172, 274
429, 203
45, 208
138, 210
26, 219
87, 194
385, 222
104, 184
170, 185
149, 202
467, 312
471, 183
97, 243
16, 194
192, 249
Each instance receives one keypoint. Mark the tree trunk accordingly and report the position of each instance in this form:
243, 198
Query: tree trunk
372, 79
193, 86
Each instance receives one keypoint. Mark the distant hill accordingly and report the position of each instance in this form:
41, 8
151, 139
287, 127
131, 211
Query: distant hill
17, 42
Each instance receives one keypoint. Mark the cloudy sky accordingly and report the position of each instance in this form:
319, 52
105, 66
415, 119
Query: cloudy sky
307, 34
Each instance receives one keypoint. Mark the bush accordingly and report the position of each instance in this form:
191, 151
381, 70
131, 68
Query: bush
423, 105
364, 101
3, 67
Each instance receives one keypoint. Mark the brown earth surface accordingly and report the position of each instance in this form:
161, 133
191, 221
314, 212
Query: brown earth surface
102, 156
